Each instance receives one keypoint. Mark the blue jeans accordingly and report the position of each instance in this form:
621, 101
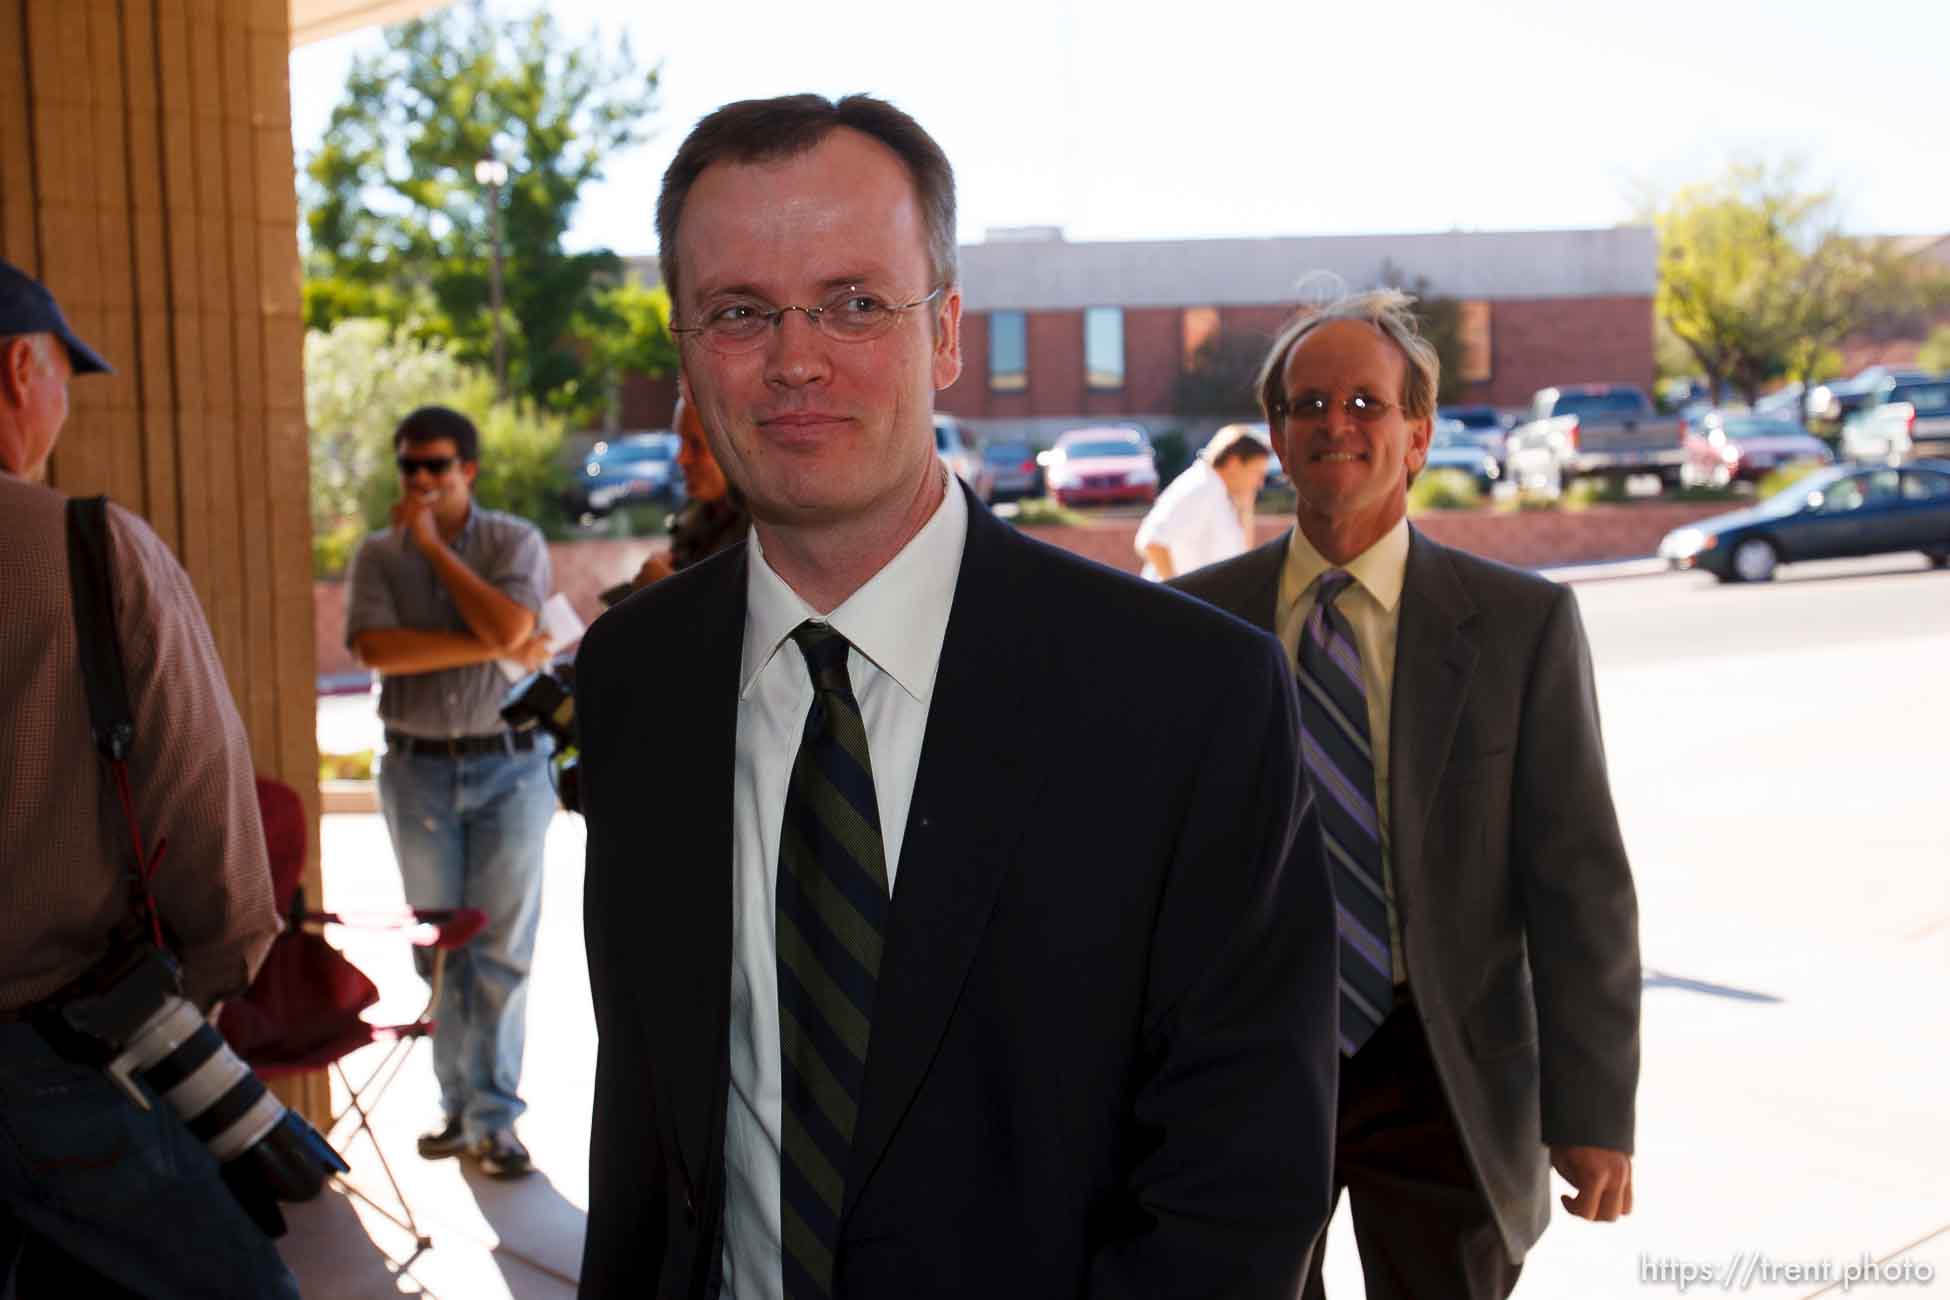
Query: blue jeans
468, 832
129, 1193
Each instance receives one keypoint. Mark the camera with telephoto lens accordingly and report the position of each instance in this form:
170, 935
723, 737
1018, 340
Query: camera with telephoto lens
128, 1015
547, 700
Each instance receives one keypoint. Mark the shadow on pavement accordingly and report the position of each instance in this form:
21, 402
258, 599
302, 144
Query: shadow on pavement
329, 1250
1655, 979
540, 1230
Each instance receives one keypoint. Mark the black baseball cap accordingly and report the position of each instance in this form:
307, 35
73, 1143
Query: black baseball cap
26, 307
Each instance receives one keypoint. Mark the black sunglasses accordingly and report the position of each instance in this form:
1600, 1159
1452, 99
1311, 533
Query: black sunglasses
434, 465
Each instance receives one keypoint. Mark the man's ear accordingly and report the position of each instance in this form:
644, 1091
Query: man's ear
1419, 433
947, 339
16, 368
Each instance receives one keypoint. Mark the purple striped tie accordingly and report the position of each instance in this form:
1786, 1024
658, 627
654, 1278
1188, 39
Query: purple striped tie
1340, 763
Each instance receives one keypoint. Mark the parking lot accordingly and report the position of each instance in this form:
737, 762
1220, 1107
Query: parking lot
1777, 753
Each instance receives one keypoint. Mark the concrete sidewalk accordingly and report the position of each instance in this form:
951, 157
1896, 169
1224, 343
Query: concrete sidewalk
521, 1240
1791, 1108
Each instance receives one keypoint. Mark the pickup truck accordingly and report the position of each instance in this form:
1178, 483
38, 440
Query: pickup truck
1588, 430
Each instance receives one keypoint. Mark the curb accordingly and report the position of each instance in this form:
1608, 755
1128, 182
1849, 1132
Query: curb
348, 797
1649, 566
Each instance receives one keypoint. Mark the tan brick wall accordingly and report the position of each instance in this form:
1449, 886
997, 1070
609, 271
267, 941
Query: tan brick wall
146, 178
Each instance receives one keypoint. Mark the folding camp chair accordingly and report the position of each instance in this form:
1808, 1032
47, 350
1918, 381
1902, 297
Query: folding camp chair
303, 1010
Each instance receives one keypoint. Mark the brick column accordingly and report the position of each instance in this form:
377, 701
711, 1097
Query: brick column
146, 177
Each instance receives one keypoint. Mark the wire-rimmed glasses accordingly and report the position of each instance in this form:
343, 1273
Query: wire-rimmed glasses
1360, 407
848, 315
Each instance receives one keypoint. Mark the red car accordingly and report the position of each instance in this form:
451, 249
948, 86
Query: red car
1727, 447
1100, 466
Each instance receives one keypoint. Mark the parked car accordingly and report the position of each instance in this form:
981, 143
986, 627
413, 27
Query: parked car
1904, 420
1013, 471
1587, 430
1728, 447
1832, 513
1485, 425
1099, 465
1452, 446
630, 467
1830, 405
957, 452
1788, 402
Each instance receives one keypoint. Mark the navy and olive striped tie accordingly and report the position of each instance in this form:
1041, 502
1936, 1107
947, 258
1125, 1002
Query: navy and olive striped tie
832, 910
1340, 761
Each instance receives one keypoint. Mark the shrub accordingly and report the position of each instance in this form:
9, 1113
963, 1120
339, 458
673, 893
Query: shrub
1173, 454
1034, 511
360, 378
1443, 489
356, 766
1785, 477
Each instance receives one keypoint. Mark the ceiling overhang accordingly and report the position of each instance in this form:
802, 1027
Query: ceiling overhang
314, 20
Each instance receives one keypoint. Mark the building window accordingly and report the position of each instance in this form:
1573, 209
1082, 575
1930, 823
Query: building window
1103, 347
1201, 327
1008, 351
1474, 329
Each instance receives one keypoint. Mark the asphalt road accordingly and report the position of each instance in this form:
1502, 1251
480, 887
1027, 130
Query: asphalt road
1778, 760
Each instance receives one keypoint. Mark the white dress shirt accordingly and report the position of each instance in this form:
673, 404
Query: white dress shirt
1195, 520
1372, 607
895, 624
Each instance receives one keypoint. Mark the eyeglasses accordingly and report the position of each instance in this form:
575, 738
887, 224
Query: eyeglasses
849, 315
1360, 408
434, 465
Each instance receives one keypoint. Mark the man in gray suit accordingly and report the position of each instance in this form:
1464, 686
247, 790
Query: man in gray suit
1489, 929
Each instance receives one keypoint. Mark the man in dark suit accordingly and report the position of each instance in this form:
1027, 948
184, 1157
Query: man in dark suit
1489, 964
956, 920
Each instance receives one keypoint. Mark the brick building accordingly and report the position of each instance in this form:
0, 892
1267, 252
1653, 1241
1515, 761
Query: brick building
1055, 332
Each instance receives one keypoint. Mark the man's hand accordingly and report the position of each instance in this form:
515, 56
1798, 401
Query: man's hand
655, 569
414, 516
1603, 1178
534, 652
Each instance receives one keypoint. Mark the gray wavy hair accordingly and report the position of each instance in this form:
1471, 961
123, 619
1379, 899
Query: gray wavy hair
1388, 310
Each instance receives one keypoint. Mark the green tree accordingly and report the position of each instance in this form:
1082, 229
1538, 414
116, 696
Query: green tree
360, 378
1757, 282
626, 331
1439, 318
398, 228
1936, 351
1221, 379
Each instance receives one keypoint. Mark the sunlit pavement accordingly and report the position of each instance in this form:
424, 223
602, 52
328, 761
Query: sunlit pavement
1778, 759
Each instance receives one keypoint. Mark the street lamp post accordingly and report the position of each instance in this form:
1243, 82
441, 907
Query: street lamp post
493, 173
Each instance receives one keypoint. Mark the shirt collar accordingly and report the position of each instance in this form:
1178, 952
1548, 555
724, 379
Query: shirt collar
898, 619
1380, 570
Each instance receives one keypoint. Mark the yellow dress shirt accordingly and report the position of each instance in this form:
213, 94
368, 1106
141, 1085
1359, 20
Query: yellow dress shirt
1372, 607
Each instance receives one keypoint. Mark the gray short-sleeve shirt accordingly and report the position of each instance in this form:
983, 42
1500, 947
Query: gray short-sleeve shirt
390, 584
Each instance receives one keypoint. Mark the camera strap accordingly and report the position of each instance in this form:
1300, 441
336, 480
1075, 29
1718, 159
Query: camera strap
91, 584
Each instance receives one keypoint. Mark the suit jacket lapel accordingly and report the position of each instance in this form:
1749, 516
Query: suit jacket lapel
1253, 584
956, 849
692, 1011
1434, 658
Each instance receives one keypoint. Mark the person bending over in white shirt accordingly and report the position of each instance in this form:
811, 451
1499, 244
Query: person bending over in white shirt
1206, 514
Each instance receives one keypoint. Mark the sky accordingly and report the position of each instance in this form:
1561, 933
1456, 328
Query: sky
1231, 118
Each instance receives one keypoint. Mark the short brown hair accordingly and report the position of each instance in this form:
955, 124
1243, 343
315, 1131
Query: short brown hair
1388, 311
761, 130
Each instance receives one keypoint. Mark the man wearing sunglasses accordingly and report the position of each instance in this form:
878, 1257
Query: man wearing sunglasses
1489, 937
432, 603
979, 964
